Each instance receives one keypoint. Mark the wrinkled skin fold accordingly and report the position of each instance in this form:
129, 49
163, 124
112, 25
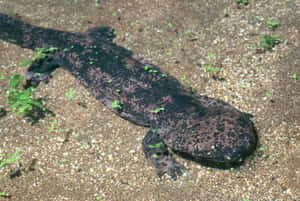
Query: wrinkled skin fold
196, 127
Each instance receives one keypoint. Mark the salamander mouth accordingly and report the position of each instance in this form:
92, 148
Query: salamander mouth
211, 162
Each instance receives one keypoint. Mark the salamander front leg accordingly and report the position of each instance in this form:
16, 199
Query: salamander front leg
157, 152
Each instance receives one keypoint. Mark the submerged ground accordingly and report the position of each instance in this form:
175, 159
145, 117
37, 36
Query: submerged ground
92, 154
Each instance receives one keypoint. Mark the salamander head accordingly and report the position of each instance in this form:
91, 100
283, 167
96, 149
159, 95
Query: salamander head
221, 139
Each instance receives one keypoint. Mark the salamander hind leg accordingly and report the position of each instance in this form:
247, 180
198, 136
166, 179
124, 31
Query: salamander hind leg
101, 33
157, 152
40, 70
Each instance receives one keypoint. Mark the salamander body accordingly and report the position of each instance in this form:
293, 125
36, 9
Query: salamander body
196, 127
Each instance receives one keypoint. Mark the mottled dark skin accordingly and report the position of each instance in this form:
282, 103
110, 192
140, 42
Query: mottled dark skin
203, 129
